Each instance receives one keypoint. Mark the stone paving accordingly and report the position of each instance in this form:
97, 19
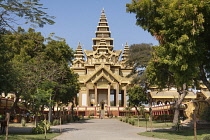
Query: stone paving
100, 129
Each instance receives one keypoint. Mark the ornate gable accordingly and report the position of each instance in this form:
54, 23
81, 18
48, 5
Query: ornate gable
103, 71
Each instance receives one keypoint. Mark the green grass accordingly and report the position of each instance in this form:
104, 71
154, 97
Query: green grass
161, 132
27, 136
155, 124
174, 135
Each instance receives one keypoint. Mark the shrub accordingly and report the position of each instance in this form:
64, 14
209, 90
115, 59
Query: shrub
206, 137
146, 116
39, 129
126, 119
132, 122
23, 122
129, 121
69, 119
205, 115
91, 114
56, 122
123, 119
76, 118
120, 119
155, 117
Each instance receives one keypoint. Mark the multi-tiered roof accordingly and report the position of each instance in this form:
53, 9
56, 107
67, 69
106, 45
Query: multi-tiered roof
102, 56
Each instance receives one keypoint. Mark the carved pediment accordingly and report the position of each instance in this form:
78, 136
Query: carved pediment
103, 71
101, 77
76, 61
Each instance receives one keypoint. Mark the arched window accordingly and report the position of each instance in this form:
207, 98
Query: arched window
159, 102
167, 102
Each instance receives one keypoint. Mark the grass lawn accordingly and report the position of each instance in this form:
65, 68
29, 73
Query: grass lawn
155, 124
24, 133
174, 135
27, 136
160, 131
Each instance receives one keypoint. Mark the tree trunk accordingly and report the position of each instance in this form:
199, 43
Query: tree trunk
60, 125
50, 114
72, 110
35, 119
138, 113
9, 112
181, 97
176, 115
50, 111
7, 127
150, 112
203, 77
45, 127
195, 124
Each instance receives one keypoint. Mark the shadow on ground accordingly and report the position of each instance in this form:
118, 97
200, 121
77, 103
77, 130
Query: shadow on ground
183, 132
57, 130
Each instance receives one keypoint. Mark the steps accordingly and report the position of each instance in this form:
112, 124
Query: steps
188, 123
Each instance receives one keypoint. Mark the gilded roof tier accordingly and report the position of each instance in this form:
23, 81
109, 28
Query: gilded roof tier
170, 94
102, 62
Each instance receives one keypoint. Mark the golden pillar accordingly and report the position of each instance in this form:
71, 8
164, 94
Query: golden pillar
108, 100
117, 94
88, 96
96, 95
125, 100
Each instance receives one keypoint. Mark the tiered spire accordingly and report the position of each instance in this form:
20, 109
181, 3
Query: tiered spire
103, 40
79, 54
125, 52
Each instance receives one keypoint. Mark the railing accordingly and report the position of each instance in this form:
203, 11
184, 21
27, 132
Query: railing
118, 111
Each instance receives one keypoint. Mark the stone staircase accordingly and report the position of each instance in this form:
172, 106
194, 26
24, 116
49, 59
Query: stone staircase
188, 123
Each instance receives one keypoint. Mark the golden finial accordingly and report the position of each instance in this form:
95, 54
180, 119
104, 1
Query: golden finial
103, 11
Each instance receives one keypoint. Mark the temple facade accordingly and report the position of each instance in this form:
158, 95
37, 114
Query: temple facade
102, 71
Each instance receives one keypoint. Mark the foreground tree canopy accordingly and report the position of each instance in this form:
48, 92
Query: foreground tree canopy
182, 29
31, 10
36, 71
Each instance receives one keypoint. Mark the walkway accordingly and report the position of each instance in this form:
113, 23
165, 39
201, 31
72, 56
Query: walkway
100, 129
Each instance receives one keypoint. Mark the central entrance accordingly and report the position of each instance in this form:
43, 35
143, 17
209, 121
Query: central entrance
109, 97
103, 96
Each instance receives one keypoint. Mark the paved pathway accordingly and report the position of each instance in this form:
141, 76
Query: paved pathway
100, 129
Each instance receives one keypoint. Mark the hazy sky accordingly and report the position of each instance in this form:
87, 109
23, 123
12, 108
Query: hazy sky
76, 21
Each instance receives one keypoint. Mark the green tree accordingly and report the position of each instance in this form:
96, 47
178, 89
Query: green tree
137, 97
31, 10
19, 48
36, 68
138, 57
182, 29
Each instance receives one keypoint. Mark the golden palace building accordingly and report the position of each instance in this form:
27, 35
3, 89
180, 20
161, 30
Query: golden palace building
102, 75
